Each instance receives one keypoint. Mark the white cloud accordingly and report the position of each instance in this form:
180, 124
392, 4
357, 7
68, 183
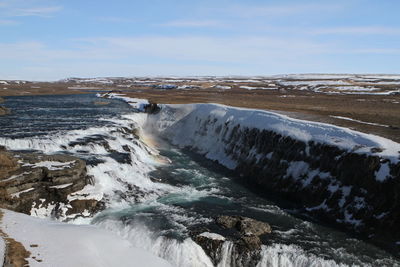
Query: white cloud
28, 8
182, 55
7, 22
362, 30
252, 11
116, 19
35, 11
202, 48
194, 23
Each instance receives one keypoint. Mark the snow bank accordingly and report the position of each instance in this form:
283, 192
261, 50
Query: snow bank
302, 130
134, 102
60, 244
257, 88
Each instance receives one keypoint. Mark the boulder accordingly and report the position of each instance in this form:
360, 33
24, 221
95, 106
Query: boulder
246, 226
227, 221
4, 111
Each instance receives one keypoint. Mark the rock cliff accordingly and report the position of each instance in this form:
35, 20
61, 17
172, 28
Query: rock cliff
41, 185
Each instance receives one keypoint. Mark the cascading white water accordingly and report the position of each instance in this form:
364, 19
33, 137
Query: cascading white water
179, 253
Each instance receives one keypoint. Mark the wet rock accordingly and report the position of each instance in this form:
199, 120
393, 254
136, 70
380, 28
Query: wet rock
85, 207
251, 242
237, 234
227, 221
211, 243
152, 108
246, 226
251, 227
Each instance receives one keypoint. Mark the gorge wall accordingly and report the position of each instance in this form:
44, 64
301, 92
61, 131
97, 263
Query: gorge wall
344, 177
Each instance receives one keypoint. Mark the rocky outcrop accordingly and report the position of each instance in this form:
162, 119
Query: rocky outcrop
246, 226
4, 111
40, 184
335, 185
240, 235
152, 108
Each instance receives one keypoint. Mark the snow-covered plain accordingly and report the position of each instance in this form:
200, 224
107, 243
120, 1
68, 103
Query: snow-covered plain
60, 244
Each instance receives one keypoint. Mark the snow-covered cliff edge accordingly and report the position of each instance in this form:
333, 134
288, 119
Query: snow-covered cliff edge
343, 176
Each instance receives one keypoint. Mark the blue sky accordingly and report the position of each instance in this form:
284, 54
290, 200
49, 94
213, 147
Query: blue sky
54, 39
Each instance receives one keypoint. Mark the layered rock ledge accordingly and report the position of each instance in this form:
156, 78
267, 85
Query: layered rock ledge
41, 185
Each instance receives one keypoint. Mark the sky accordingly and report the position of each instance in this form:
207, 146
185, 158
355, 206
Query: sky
55, 39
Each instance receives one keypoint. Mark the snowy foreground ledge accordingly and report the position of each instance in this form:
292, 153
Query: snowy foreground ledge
61, 244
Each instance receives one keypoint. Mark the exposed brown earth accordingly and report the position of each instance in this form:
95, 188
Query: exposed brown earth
28, 89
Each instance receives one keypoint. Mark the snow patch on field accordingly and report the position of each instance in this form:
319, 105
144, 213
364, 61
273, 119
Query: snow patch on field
258, 88
363, 122
223, 87
314, 83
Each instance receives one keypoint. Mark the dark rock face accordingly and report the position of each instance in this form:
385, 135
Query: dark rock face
246, 226
335, 185
38, 181
211, 246
152, 108
238, 235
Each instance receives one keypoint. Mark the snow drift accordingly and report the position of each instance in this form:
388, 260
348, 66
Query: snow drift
59, 244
